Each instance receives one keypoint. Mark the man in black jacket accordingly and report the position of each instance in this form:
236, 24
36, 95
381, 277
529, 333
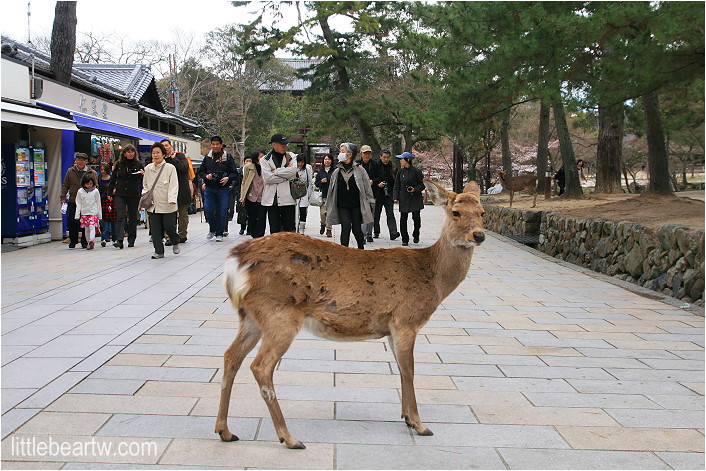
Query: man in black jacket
178, 159
366, 161
383, 184
217, 170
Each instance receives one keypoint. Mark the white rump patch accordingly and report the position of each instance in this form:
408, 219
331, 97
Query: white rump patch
236, 281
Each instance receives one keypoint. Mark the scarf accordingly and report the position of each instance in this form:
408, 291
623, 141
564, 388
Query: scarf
346, 173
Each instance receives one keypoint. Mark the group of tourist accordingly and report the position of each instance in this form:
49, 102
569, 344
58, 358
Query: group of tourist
353, 195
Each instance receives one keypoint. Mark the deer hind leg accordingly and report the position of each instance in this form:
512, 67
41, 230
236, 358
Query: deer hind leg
246, 339
275, 343
512, 193
403, 341
534, 202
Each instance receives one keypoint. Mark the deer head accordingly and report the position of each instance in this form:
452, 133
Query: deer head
464, 213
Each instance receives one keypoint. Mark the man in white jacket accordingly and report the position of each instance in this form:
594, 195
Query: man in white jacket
278, 168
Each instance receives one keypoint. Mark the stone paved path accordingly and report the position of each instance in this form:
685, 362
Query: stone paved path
529, 364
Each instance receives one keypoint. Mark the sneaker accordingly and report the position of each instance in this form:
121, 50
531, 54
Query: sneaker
328, 233
219, 238
158, 255
369, 239
394, 236
102, 243
210, 235
91, 244
175, 248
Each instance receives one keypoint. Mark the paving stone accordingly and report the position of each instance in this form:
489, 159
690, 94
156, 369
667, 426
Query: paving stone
579, 459
247, 454
34, 334
167, 349
696, 365
483, 359
257, 408
456, 370
31, 465
35, 372
658, 418
108, 386
13, 419
513, 384
168, 339
116, 404
628, 387
388, 412
138, 466
553, 372
523, 350
391, 381
98, 358
136, 359
683, 460
72, 346
53, 390
657, 375
482, 435
171, 426
626, 353
153, 373
597, 362
350, 456
342, 431
613, 401
633, 439
334, 366
73, 423
449, 348
670, 401
13, 396
105, 325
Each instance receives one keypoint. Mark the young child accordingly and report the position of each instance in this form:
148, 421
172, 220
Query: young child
110, 216
88, 208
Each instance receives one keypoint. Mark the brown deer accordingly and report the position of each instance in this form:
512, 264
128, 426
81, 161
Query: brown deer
283, 282
519, 183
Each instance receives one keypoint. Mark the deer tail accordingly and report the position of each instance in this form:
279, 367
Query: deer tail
235, 279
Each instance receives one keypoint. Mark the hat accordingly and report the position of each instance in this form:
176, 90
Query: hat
81, 155
279, 139
405, 155
365, 149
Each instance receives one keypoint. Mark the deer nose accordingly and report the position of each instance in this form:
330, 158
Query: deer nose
478, 237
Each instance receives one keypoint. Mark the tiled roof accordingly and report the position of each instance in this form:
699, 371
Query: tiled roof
131, 79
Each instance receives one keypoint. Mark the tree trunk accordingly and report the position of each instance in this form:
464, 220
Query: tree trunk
657, 160
63, 41
568, 158
611, 121
505, 143
542, 146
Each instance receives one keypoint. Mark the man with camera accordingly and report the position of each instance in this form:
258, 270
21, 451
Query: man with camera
383, 184
217, 171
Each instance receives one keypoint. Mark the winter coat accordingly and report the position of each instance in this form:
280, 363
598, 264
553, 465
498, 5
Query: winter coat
277, 182
166, 191
323, 173
367, 201
384, 173
409, 202
72, 182
88, 203
126, 180
222, 169
306, 174
182, 168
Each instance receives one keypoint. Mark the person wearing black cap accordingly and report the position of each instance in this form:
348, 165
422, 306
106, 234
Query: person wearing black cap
409, 188
278, 168
217, 171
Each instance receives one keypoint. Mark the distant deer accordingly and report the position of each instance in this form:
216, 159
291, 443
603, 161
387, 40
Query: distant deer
519, 183
283, 282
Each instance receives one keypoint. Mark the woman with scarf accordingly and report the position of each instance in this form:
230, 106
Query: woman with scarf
350, 198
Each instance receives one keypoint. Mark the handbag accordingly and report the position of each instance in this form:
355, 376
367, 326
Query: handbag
316, 198
299, 187
242, 214
147, 199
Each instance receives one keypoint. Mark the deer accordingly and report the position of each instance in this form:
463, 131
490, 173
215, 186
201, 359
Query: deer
519, 183
284, 282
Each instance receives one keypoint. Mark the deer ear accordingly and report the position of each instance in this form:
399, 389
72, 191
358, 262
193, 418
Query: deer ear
438, 194
472, 187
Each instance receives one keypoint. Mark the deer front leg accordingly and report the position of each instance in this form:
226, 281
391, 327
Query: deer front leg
403, 340
245, 341
263, 367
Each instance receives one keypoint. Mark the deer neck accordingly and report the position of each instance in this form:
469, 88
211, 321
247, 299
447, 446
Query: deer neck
450, 264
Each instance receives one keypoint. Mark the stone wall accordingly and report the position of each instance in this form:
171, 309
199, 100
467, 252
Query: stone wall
669, 260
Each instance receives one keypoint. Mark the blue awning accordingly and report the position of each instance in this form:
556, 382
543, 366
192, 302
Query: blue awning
101, 125
86, 121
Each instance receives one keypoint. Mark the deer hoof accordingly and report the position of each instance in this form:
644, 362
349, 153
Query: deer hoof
425, 432
294, 445
228, 437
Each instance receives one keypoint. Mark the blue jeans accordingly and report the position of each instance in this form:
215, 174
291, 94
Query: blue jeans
107, 230
215, 202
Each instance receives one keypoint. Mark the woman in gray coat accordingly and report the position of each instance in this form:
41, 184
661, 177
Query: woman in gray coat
350, 199
409, 188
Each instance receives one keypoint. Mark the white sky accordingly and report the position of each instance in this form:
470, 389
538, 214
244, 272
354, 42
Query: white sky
136, 19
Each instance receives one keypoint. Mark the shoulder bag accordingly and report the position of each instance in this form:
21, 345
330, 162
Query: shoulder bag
147, 200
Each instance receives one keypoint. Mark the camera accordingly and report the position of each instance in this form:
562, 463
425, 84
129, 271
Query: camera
386, 189
217, 175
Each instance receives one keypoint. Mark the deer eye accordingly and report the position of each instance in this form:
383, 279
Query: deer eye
456, 214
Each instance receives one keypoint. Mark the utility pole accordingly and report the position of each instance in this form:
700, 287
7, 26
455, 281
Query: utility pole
29, 15
174, 97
